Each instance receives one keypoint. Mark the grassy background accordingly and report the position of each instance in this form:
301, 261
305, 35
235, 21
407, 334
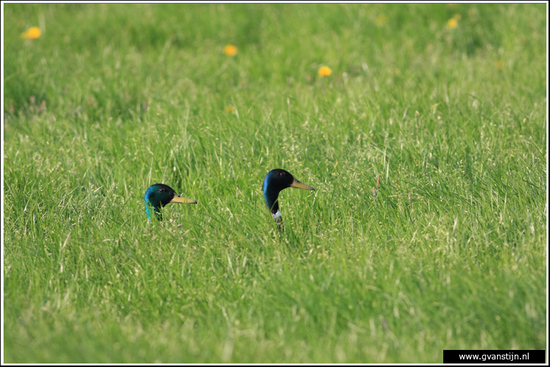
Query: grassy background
113, 98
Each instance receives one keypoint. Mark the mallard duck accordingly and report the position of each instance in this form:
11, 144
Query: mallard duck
275, 181
158, 195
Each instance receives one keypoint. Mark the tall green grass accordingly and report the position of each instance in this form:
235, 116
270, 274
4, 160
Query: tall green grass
113, 98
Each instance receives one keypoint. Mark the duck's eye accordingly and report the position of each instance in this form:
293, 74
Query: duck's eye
162, 190
282, 174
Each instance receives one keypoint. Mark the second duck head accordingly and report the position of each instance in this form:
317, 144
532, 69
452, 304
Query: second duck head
275, 181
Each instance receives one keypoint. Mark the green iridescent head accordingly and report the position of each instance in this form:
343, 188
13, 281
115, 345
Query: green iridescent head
158, 195
275, 181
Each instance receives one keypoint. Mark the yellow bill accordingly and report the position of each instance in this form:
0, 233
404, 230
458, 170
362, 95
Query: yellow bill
182, 200
298, 185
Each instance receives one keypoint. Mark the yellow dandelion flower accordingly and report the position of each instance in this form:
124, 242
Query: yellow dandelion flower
31, 33
325, 71
230, 50
499, 64
229, 108
452, 23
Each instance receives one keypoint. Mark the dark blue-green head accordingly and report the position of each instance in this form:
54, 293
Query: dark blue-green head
275, 181
158, 195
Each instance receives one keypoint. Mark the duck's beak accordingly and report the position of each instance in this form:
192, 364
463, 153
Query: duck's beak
298, 185
182, 200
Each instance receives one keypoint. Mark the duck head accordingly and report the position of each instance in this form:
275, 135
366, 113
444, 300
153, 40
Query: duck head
275, 181
158, 195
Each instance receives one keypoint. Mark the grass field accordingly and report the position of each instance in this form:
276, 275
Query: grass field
444, 104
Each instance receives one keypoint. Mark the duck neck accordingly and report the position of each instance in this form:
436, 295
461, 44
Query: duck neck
270, 197
271, 201
156, 210
273, 206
